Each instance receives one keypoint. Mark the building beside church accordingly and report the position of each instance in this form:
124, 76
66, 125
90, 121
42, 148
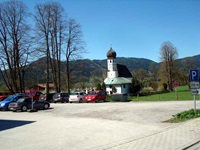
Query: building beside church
119, 77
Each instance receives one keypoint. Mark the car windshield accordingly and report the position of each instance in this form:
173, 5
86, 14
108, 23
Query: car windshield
74, 93
92, 93
42, 95
56, 95
20, 100
11, 97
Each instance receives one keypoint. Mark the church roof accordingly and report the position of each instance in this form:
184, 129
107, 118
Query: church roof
118, 80
123, 71
111, 53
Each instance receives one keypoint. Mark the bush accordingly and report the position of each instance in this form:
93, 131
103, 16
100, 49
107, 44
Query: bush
147, 91
154, 85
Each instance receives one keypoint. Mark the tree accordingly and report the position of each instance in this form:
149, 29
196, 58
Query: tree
74, 48
136, 86
141, 75
98, 86
168, 65
50, 30
94, 80
57, 33
14, 44
153, 68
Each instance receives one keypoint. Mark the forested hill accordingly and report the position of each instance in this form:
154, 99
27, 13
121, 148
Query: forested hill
87, 67
131, 63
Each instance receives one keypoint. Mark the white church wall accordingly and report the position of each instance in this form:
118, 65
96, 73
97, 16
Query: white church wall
121, 89
109, 89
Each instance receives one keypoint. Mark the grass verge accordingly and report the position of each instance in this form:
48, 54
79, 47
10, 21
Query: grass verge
184, 116
181, 93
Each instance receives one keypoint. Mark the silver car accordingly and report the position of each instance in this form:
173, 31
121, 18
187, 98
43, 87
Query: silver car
77, 97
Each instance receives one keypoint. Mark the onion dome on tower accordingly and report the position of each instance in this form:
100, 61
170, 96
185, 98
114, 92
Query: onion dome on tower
111, 53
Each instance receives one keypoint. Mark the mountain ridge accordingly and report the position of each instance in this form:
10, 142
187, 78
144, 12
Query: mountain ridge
97, 67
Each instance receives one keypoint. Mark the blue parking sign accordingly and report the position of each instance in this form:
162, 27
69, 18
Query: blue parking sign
194, 75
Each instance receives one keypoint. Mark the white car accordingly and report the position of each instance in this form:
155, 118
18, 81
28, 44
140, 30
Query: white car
77, 97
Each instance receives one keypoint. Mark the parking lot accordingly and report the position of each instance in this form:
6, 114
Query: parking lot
81, 126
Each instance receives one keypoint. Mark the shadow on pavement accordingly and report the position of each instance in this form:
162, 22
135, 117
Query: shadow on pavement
9, 124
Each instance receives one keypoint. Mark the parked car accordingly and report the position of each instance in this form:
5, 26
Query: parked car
77, 97
61, 97
37, 95
47, 97
12, 98
2, 97
96, 96
25, 103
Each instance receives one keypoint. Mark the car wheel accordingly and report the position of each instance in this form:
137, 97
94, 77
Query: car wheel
46, 106
24, 108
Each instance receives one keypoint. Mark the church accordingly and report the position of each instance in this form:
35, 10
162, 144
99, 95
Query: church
119, 78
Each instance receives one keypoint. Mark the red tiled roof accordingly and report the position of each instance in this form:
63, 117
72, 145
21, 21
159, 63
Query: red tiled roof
44, 85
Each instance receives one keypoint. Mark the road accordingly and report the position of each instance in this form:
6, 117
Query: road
87, 125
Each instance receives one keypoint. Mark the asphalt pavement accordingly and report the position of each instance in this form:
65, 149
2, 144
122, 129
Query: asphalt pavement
101, 126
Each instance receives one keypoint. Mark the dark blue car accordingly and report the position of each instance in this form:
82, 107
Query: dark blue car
12, 98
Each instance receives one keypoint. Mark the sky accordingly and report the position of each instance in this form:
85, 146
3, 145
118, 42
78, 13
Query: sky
135, 28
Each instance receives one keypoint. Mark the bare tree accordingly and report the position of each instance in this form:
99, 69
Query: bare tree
53, 28
42, 20
168, 66
50, 28
14, 44
153, 68
74, 47
57, 31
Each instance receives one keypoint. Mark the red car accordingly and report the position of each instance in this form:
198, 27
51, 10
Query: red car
3, 97
96, 96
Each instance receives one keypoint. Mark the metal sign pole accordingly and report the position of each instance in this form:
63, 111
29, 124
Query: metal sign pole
194, 96
176, 94
194, 85
32, 104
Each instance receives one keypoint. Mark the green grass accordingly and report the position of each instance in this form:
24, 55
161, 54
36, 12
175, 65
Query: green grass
182, 93
184, 116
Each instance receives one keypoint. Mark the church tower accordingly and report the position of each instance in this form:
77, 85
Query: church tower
112, 65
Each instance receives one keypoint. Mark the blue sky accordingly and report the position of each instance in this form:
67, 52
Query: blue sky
135, 28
